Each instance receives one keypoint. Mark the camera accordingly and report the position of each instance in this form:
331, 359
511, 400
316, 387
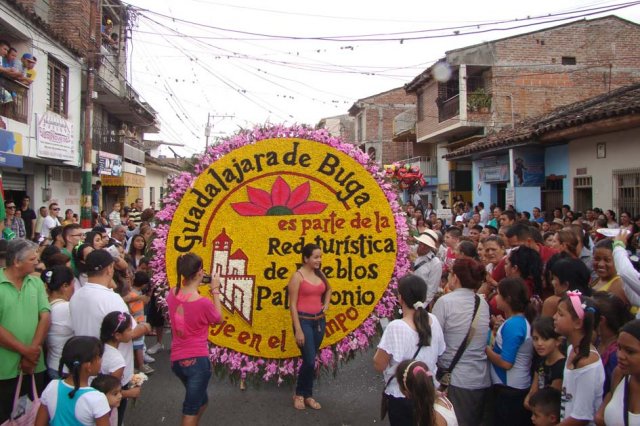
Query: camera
206, 279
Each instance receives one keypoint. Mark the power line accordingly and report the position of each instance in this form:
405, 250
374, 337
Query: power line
408, 35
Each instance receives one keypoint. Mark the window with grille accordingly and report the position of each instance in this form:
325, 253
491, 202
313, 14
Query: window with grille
63, 174
626, 191
582, 193
57, 86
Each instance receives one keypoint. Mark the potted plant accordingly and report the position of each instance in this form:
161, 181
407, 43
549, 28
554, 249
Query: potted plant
479, 100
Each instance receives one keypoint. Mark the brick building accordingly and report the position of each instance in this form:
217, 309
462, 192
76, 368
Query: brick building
39, 153
59, 33
497, 84
374, 125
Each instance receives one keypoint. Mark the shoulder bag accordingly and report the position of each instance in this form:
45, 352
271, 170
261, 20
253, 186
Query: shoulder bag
444, 374
384, 401
24, 410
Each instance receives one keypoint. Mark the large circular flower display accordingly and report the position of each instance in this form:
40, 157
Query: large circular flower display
249, 207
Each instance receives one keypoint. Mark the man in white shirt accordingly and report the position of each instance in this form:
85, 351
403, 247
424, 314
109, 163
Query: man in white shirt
484, 216
427, 266
92, 302
50, 221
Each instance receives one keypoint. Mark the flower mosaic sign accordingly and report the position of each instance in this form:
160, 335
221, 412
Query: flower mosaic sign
248, 209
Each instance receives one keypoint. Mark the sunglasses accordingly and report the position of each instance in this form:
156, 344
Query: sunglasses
56, 210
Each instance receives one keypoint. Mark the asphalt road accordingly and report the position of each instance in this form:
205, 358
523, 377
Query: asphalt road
351, 398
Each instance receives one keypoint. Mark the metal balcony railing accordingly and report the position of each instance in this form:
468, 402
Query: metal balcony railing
428, 165
449, 108
18, 108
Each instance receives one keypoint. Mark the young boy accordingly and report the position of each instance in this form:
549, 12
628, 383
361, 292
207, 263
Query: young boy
136, 300
545, 406
451, 240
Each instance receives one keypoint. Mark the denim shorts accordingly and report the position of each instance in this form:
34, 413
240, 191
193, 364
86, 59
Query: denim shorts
138, 343
194, 373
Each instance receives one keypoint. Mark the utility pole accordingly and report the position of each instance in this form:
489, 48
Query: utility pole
92, 51
207, 129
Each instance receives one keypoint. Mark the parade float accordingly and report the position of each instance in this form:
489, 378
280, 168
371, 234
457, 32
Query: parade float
248, 206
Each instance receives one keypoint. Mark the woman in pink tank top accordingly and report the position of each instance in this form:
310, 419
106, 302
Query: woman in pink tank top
309, 294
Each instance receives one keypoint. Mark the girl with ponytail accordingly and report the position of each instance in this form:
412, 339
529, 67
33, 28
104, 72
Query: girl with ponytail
417, 337
429, 408
191, 314
70, 401
576, 319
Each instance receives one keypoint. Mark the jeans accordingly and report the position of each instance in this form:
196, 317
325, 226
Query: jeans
194, 373
313, 334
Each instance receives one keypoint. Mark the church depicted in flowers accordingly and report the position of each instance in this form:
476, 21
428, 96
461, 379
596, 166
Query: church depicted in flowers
236, 287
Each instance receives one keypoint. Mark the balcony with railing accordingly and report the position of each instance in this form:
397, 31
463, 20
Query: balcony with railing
128, 147
428, 165
463, 106
16, 96
449, 108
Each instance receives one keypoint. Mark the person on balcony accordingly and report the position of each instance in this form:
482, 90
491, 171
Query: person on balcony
28, 64
11, 67
5, 95
106, 31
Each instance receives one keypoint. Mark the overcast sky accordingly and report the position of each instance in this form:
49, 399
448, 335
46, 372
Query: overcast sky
215, 56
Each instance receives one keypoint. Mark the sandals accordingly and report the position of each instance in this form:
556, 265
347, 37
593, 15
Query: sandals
312, 403
300, 403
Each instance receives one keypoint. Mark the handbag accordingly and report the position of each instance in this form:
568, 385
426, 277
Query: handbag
384, 401
443, 375
24, 410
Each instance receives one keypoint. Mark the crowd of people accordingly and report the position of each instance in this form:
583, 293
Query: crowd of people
536, 315
506, 318
75, 308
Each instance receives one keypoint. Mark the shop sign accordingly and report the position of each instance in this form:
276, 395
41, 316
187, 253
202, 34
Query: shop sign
497, 173
10, 160
109, 164
10, 142
133, 181
127, 179
55, 139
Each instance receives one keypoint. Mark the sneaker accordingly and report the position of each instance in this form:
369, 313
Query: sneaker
148, 359
155, 349
146, 369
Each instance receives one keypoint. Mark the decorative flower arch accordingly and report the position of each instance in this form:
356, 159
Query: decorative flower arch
242, 366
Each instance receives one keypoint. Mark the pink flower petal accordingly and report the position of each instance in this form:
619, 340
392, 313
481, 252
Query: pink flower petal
299, 195
259, 197
248, 209
280, 192
310, 207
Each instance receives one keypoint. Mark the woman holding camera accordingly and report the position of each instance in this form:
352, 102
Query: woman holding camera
309, 295
191, 315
